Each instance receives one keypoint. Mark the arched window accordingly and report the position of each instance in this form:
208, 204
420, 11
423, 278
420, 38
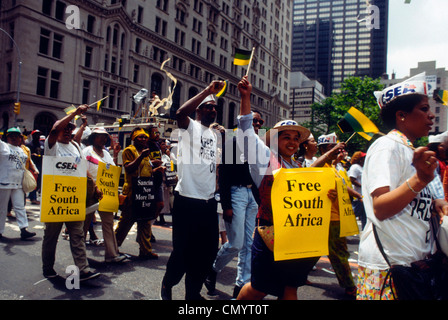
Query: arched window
44, 121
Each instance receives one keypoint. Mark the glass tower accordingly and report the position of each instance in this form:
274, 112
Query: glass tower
333, 40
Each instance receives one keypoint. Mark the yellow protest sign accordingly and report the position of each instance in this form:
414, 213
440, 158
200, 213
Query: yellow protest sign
349, 226
301, 212
107, 181
64, 183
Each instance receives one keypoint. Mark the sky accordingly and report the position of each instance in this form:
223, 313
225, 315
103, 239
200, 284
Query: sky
417, 32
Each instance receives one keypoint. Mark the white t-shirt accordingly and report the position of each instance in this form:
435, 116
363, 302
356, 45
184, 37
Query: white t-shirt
405, 236
196, 160
308, 162
63, 150
94, 158
12, 164
355, 171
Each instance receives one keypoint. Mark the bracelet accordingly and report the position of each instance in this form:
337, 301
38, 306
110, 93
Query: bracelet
410, 188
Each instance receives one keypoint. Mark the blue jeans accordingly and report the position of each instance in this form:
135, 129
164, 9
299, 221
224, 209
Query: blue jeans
239, 234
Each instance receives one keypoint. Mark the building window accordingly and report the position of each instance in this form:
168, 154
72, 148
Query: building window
54, 85
60, 10
50, 42
46, 7
90, 23
88, 57
85, 91
42, 74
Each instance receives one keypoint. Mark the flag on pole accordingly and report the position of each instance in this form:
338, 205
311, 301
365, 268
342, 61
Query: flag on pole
242, 57
223, 90
99, 104
441, 96
71, 109
366, 135
355, 121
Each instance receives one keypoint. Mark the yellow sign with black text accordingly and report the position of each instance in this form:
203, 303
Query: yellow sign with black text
64, 183
107, 181
347, 218
301, 212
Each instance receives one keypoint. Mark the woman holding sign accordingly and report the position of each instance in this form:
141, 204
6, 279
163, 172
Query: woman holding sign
398, 190
96, 153
278, 278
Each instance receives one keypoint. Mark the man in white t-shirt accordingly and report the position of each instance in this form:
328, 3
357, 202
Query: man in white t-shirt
195, 219
59, 144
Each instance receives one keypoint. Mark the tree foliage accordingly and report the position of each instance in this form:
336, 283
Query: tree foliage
355, 92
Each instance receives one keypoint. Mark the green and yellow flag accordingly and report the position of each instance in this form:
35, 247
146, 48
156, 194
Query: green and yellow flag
99, 104
441, 96
242, 57
223, 90
355, 121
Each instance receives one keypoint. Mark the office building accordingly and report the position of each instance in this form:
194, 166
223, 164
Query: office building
75, 52
333, 40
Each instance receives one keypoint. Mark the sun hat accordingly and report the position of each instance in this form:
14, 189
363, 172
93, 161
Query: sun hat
415, 84
287, 125
210, 99
331, 138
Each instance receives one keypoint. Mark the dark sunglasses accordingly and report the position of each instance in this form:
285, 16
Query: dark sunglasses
258, 120
208, 106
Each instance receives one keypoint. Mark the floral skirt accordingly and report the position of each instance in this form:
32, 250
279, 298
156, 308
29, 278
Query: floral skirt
370, 284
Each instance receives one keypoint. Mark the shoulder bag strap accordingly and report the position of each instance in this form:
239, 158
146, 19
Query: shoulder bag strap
388, 275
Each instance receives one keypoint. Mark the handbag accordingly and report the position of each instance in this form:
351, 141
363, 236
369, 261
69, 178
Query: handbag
29, 183
425, 279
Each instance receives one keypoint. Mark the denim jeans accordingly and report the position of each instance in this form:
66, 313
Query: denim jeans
239, 234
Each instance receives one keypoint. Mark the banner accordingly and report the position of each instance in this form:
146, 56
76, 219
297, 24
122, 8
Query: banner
64, 188
301, 212
347, 218
107, 180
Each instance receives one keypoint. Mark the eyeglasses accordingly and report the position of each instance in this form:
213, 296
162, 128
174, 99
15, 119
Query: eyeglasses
208, 106
258, 120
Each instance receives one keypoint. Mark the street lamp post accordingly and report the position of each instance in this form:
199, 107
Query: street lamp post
20, 69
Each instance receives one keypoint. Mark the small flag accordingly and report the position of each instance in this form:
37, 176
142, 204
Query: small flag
71, 109
99, 104
355, 121
242, 57
366, 135
223, 90
441, 96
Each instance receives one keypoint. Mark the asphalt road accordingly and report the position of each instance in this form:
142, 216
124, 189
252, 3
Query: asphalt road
21, 270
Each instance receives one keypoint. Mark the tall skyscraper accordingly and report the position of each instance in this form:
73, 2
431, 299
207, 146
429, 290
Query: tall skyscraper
333, 40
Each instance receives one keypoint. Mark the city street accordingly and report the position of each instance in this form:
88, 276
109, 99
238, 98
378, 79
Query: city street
21, 276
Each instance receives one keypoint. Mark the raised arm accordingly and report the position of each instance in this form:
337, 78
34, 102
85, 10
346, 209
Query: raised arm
190, 106
245, 88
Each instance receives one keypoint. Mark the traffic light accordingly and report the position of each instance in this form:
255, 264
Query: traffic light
17, 107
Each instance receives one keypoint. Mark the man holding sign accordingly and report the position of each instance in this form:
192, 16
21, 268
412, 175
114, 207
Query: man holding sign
59, 144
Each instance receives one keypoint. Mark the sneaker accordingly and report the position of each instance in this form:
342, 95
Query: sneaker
165, 292
25, 234
88, 275
210, 283
50, 273
117, 259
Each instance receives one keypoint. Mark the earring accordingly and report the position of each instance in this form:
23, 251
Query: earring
402, 119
